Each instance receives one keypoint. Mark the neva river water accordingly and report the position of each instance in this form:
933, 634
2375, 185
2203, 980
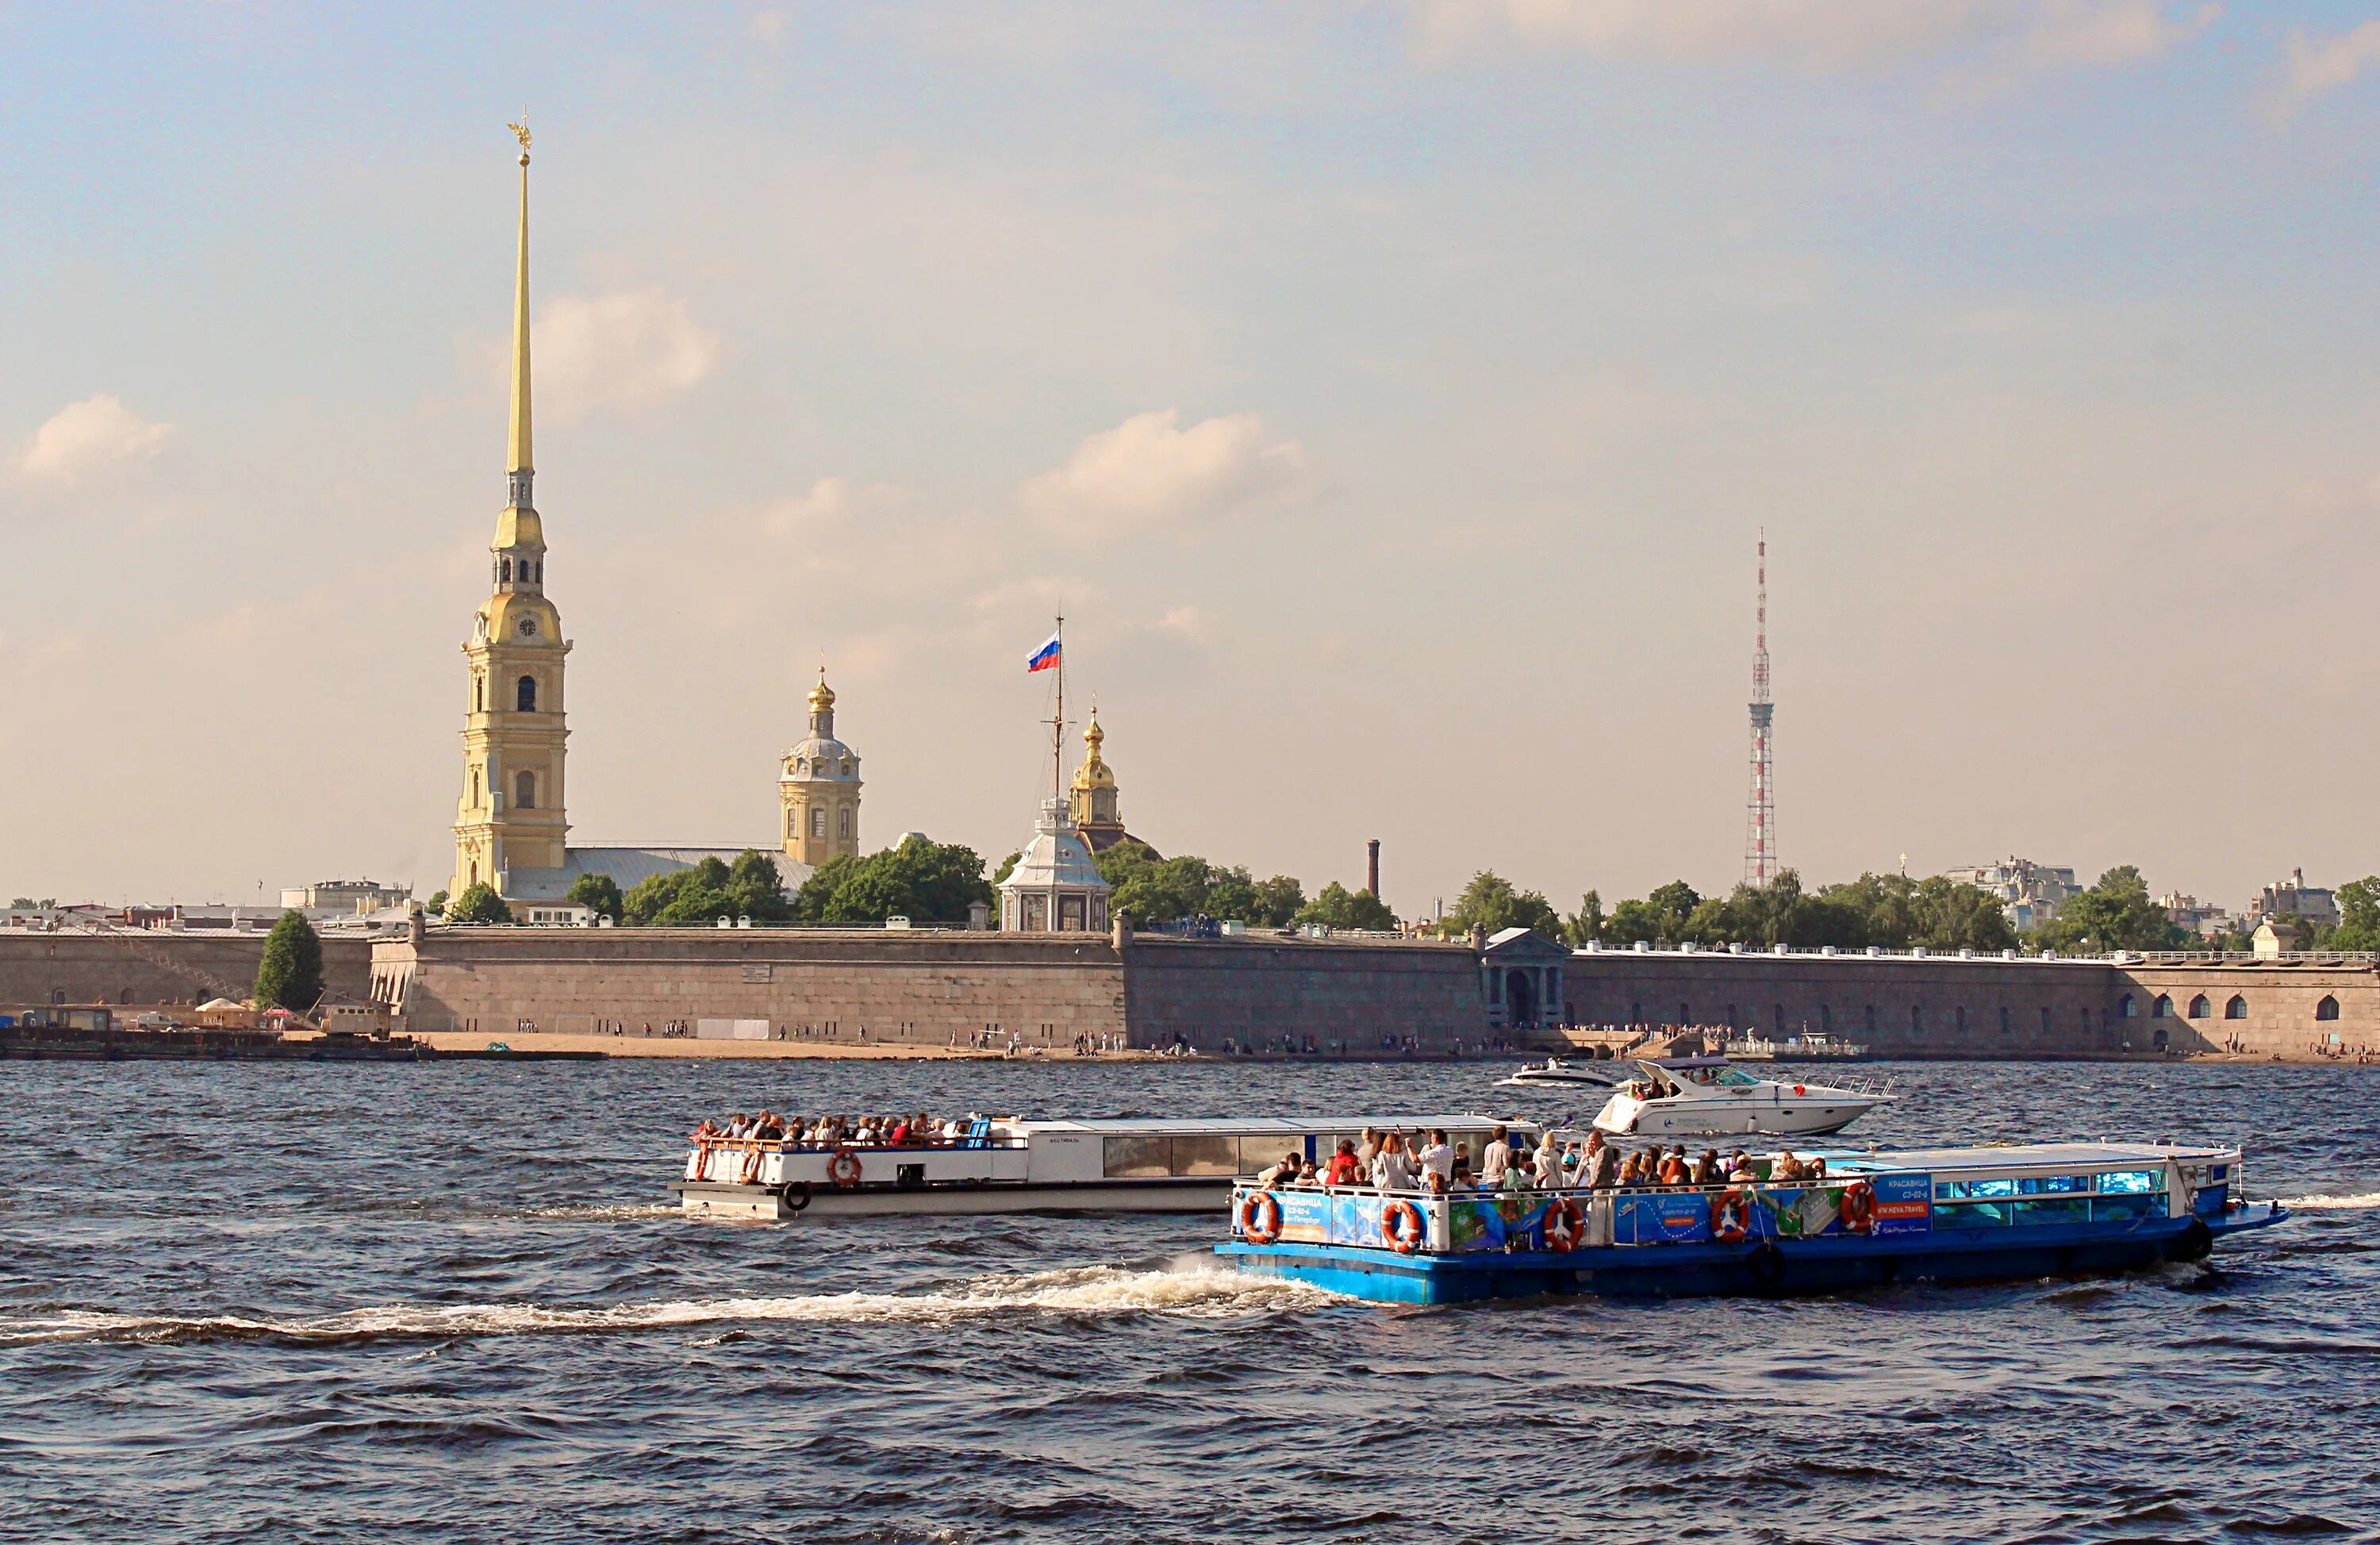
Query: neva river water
450, 1303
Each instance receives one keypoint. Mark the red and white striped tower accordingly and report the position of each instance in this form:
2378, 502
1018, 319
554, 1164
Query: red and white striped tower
1760, 839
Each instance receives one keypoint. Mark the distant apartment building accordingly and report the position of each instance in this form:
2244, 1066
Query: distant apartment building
345, 896
2200, 918
2293, 898
2030, 894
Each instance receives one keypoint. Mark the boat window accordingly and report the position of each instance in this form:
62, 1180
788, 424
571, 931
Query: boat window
1736, 1077
2106, 1209
2061, 1210
1211, 1155
2035, 1184
1973, 1214
2132, 1181
1263, 1153
1999, 1186
1138, 1156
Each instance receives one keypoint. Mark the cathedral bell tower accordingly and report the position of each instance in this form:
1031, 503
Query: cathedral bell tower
819, 789
510, 817
1092, 802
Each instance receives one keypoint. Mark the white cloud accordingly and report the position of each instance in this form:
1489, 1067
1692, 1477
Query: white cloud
92, 436
769, 26
837, 503
2027, 35
2317, 69
1149, 471
620, 352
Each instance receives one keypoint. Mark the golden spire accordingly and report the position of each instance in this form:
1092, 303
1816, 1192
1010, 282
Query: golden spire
519, 462
1094, 772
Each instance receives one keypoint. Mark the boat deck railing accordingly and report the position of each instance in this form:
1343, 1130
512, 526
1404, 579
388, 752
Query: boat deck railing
797, 1145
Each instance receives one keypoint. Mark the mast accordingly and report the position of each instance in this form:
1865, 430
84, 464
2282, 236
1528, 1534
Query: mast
1760, 839
1058, 723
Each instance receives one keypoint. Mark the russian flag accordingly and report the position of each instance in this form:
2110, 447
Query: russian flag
1043, 659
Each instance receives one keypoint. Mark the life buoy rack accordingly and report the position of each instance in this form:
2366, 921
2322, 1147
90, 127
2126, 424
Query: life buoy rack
1565, 1225
1857, 1208
1401, 1226
844, 1168
1260, 1217
1730, 1216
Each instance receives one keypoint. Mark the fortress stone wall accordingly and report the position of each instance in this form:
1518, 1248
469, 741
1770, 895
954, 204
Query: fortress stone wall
1947, 1006
143, 966
932, 988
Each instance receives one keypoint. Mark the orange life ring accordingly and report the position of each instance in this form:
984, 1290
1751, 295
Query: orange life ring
1799, 1089
1857, 1208
1730, 1216
1401, 1226
1565, 1211
1260, 1217
844, 1168
754, 1157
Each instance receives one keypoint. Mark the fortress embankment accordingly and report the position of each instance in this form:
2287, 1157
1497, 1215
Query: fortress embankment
932, 988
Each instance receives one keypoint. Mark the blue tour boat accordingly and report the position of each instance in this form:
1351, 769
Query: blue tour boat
1937, 1214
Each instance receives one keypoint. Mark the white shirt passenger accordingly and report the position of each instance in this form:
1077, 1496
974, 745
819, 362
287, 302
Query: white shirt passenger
1393, 1171
1495, 1162
1438, 1159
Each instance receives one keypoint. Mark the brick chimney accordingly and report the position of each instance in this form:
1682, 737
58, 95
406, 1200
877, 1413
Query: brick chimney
1373, 882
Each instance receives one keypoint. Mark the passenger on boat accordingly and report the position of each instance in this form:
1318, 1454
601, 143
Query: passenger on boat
1283, 1172
1394, 1170
1787, 1167
1496, 1159
1464, 1178
1369, 1149
1741, 1171
1438, 1162
1602, 1163
1707, 1168
1673, 1171
1545, 1168
1344, 1168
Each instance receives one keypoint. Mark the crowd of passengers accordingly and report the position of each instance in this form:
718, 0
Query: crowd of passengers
918, 1130
1426, 1162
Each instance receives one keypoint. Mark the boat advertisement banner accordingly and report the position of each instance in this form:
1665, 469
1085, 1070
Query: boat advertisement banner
1305, 1217
1491, 1223
1904, 1204
1656, 1220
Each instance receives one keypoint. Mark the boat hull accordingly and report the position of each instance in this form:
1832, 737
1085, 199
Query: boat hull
1697, 1119
1764, 1269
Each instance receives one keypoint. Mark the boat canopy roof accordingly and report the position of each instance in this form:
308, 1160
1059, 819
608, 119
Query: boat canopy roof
1264, 1125
2076, 1156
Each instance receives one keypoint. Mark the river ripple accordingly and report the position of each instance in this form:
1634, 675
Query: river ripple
263, 1302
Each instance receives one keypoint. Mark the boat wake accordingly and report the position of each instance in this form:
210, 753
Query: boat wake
1198, 1292
2358, 1202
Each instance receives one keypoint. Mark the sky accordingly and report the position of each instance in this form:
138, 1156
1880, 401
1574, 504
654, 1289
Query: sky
1390, 394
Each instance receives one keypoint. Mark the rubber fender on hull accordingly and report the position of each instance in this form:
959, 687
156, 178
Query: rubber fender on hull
2193, 1243
1766, 1264
795, 1193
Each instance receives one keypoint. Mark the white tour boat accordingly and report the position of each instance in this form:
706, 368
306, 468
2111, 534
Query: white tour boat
1008, 1165
1559, 1073
1706, 1096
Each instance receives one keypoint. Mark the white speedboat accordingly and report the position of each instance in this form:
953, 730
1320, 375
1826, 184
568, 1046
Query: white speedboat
1706, 1096
1557, 1073
1007, 1165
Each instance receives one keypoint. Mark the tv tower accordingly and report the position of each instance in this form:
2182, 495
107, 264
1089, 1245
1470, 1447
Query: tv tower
1760, 839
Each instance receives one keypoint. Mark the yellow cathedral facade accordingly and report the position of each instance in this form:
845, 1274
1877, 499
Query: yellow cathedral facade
511, 822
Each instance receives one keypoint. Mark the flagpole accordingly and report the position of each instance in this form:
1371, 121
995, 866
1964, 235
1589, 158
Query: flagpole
1058, 723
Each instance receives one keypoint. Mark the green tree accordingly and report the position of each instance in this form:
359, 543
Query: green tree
2358, 915
1585, 926
925, 882
1883, 907
478, 904
1278, 900
2117, 913
1340, 908
436, 904
1635, 922
1007, 867
750, 887
1490, 902
598, 891
1952, 915
290, 974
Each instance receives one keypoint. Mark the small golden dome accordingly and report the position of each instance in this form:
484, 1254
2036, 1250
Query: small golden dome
822, 695
1094, 772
